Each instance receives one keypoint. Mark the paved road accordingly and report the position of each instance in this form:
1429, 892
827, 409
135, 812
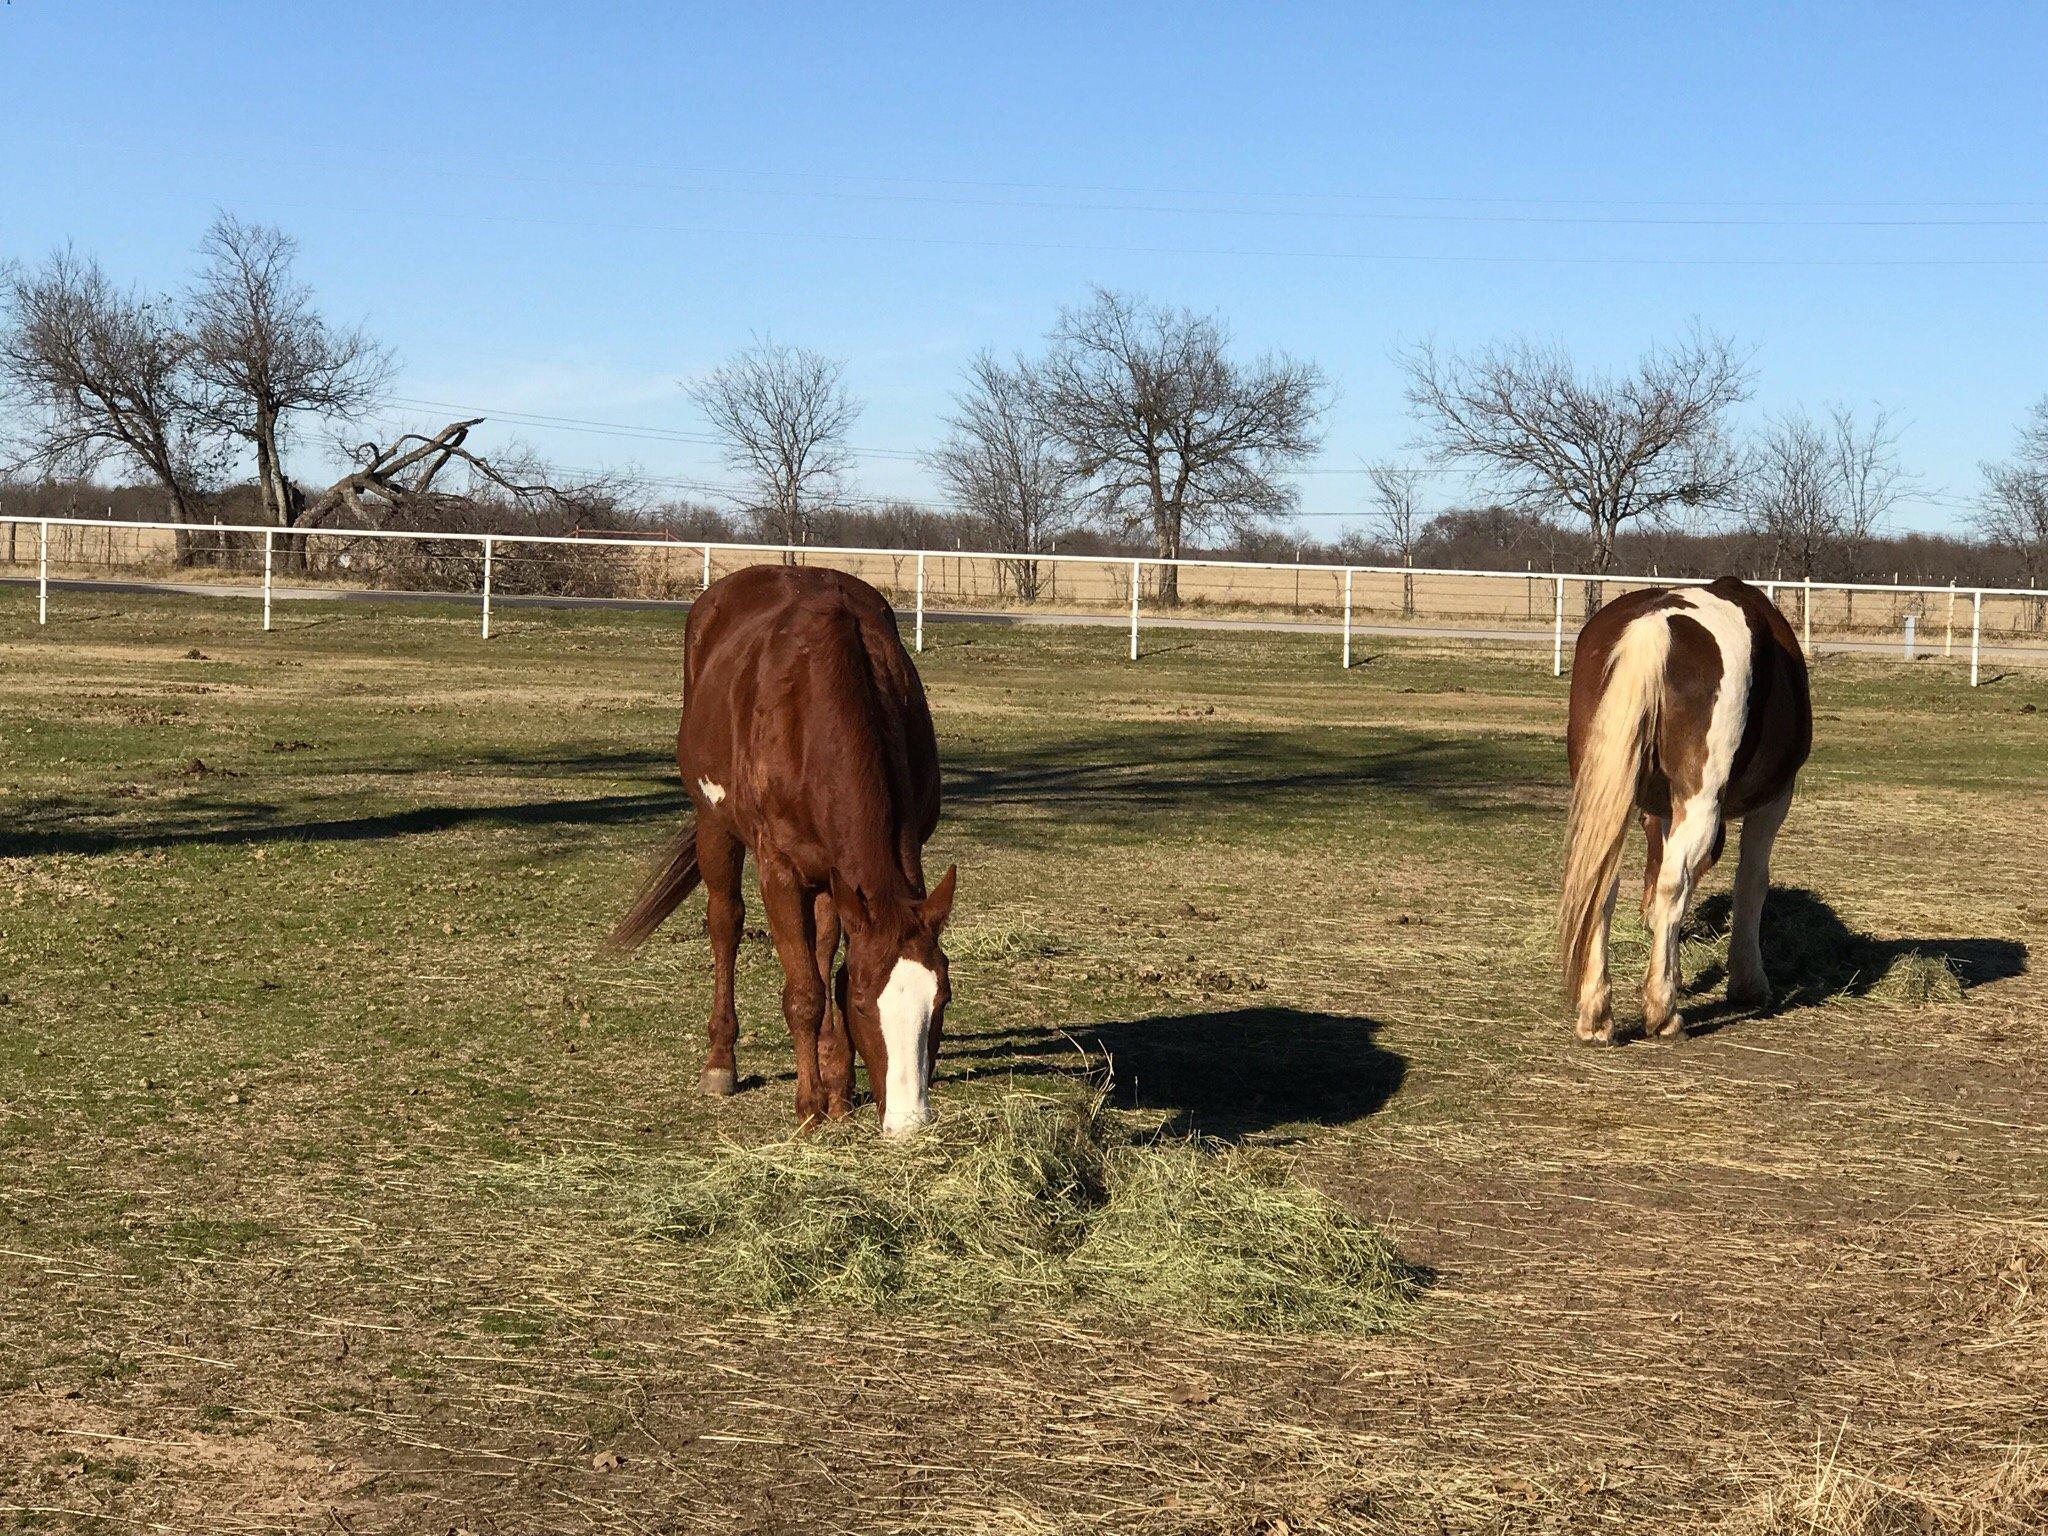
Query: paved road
1540, 636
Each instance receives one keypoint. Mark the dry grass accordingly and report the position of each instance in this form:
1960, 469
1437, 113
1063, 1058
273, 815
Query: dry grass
2003, 1497
313, 1159
1029, 1202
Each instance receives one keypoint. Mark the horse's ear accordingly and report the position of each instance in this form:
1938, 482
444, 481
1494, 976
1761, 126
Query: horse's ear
938, 906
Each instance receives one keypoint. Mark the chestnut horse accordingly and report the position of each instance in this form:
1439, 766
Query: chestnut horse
1690, 705
805, 737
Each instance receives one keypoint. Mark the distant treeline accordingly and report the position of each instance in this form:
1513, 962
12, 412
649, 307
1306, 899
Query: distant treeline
1487, 538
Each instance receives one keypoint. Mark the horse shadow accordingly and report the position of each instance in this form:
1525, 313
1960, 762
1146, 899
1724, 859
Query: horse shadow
1240, 1073
1813, 957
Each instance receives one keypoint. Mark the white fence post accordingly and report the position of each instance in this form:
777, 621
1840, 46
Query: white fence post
1912, 620
706, 585
1774, 587
1347, 621
1136, 577
920, 602
1557, 634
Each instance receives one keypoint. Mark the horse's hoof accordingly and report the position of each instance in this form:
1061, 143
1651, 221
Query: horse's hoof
1602, 1034
719, 1082
1672, 1028
1756, 994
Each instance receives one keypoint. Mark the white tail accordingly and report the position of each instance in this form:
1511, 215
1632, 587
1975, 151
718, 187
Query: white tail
1604, 793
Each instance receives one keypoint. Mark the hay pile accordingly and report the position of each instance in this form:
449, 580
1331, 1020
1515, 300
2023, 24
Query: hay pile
1030, 1202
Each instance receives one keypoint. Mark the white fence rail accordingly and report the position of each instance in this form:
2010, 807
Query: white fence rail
2008, 622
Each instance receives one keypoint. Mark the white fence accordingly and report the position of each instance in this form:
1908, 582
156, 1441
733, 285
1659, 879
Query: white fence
2005, 623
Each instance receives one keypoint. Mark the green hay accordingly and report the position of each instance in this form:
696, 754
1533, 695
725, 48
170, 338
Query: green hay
1030, 1202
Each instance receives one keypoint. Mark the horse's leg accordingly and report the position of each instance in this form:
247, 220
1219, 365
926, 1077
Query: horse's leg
1596, 997
835, 1049
1748, 987
1688, 852
1654, 828
721, 857
803, 994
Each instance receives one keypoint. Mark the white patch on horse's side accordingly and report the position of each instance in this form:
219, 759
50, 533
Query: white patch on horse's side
1729, 627
906, 1005
713, 793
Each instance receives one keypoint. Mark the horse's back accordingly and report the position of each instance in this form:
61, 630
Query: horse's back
775, 653
1777, 731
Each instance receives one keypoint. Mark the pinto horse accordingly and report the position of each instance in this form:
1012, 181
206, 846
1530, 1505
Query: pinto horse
805, 737
1689, 705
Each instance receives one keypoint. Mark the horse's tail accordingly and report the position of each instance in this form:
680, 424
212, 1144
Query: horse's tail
1604, 793
664, 890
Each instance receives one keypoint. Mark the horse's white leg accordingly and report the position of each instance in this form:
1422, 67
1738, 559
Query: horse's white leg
1688, 850
1747, 985
1595, 1003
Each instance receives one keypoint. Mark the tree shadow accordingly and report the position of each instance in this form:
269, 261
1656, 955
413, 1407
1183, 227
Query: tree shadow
1813, 957
1186, 766
1240, 1073
52, 825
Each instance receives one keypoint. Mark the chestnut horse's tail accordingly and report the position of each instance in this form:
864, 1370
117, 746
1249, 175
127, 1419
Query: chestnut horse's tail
1604, 792
664, 891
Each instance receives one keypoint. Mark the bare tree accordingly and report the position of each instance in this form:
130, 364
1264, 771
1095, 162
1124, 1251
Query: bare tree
1546, 436
1873, 483
99, 375
1165, 430
2012, 510
1788, 495
407, 481
783, 414
1002, 464
1819, 490
267, 356
1397, 519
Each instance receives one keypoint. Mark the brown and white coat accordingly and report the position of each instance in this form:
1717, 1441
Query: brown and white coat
1689, 706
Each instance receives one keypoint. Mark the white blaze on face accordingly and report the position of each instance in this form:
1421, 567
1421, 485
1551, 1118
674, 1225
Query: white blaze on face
906, 1008
713, 793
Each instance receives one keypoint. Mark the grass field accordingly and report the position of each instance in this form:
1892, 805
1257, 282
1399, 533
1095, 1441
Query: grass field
328, 1146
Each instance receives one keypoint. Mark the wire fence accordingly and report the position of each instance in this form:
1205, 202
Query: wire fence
269, 565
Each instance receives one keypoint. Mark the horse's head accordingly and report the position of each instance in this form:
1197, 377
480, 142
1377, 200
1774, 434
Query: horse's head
893, 990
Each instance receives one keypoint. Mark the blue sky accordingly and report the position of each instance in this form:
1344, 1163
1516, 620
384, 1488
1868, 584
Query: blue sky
564, 210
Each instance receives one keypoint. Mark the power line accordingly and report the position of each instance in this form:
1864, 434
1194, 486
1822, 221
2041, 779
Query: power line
665, 434
579, 173
614, 428
1461, 258
644, 432
742, 496
1433, 215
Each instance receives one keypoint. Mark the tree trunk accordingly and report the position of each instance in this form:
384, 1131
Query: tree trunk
186, 510
1166, 540
182, 551
1604, 531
